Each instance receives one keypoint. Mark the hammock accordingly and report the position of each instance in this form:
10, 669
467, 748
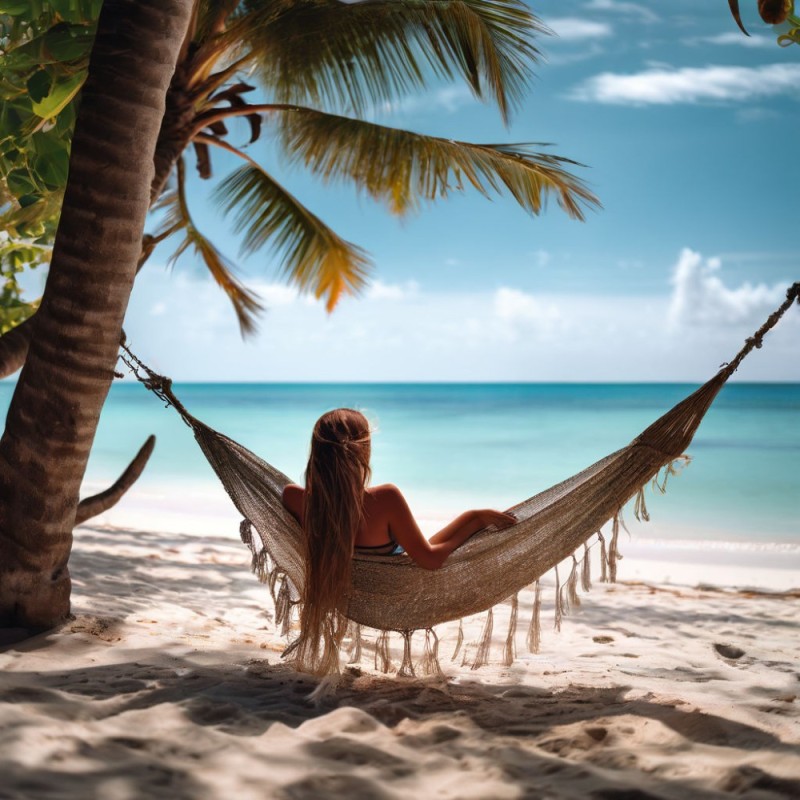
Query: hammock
391, 593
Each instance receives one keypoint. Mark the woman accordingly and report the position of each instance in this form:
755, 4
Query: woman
342, 517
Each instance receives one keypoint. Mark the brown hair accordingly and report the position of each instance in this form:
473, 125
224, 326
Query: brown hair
337, 472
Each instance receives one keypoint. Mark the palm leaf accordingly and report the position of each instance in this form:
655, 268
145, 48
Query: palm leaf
353, 55
313, 256
401, 168
176, 219
734, 6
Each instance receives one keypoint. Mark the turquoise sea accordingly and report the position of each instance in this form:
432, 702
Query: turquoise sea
455, 446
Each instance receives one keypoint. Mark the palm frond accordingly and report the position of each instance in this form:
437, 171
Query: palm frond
313, 256
176, 219
734, 6
354, 55
401, 168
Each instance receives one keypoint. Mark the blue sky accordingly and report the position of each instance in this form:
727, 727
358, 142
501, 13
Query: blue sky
689, 134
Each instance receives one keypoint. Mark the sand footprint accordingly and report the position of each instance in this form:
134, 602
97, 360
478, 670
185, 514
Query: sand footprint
728, 651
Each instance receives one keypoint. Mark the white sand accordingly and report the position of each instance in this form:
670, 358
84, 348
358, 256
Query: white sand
168, 683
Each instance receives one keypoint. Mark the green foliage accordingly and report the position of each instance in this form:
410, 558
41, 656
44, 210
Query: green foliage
15, 257
401, 168
353, 55
45, 48
313, 255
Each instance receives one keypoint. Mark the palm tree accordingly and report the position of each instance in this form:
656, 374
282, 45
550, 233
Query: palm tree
56, 405
345, 58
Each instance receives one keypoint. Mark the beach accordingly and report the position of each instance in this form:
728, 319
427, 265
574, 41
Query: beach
681, 680
168, 682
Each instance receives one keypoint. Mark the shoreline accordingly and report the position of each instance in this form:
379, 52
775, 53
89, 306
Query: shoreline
652, 552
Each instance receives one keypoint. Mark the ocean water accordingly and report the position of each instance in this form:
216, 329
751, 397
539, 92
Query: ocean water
450, 447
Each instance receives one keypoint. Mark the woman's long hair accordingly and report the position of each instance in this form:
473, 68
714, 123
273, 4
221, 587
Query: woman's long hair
337, 472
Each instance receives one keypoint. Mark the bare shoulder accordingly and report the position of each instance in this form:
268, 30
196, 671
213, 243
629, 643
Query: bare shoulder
385, 493
387, 500
293, 498
383, 490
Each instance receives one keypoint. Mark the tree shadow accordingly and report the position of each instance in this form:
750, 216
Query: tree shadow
539, 740
534, 735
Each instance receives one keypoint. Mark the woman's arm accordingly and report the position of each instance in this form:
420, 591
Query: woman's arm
431, 554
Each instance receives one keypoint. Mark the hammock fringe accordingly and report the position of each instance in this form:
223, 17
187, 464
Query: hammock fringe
407, 666
510, 653
569, 591
354, 632
535, 628
603, 558
459, 640
382, 660
586, 569
482, 656
559, 609
429, 665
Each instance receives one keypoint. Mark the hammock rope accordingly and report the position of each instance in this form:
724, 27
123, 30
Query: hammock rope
391, 593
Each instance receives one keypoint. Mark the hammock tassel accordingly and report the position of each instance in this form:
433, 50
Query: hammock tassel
407, 667
430, 655
459, 640
613, 553
272, 580
510, 651
669, 469
259, 566
283, 607
603, 558
482, 656
640, 507
355, 643
559, 610
382, 652
586, 570
534, 630
570, 599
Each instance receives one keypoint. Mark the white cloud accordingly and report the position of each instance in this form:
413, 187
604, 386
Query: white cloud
690, 85
158, 309
570, 29
275, 294
700, 298
755, 114
733, 38
447, 99
645, 14
484, 335
520, 312
563, 57
378, 290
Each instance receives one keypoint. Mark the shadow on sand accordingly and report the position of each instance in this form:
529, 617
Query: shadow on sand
536, 735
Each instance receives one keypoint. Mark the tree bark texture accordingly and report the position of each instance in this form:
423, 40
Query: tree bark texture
76, 332
14, 347
172, 141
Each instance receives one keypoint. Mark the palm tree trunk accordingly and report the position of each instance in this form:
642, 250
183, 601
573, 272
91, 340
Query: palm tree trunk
74, 343
172, 141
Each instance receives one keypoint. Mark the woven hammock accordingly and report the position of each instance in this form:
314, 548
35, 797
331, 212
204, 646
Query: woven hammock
391, 593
